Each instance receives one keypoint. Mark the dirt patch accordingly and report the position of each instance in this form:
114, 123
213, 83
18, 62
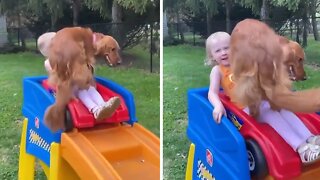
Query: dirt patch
127, 60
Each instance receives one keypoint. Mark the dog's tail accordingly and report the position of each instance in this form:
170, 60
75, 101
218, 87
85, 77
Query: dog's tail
55, 114
54, 117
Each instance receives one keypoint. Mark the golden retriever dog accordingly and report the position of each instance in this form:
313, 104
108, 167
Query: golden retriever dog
261, 62
72, 56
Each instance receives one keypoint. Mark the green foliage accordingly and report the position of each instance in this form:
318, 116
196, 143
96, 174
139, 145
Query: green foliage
37, 6
290, 4
9, 6
42, 7
103, 6
255, 5
55, 8
211, 6
139, 6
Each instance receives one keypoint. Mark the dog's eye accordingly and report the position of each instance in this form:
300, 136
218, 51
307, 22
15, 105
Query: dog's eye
113, 49
300, 59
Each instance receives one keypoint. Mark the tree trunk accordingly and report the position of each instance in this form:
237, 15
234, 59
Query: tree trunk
165, 25
305, 27
314, 20
264, 13
298, 31
53, 23
291, 30
209, 24
116, 12
75, 8
228, 22
179, 28
117, 24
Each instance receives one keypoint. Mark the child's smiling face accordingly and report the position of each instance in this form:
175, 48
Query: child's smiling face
220, 51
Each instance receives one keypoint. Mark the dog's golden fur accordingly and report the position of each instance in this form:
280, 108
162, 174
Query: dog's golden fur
71, 57
259, 61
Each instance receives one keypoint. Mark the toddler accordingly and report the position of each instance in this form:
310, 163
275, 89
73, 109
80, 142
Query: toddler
89, 97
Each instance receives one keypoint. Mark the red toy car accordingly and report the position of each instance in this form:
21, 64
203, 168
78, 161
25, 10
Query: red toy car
222, 151
79, 116
268, 153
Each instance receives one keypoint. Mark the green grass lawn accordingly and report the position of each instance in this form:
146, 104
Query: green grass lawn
14, 67
184, 69
140, 58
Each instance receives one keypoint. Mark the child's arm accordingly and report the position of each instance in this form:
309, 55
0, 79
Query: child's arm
213, 96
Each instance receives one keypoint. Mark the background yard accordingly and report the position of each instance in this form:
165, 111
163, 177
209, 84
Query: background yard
184, 69
14, 67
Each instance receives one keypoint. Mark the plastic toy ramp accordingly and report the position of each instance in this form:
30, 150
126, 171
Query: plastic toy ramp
310, 172
112, 152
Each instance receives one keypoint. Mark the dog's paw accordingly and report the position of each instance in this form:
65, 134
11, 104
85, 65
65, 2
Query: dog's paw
274, 107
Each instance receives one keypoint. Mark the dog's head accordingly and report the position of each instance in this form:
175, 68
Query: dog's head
109, 48
294, 60
296, 69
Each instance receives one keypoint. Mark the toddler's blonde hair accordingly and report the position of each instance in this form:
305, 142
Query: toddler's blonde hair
217, 36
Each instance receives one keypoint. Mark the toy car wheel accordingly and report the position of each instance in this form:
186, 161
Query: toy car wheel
68, 122
257, 162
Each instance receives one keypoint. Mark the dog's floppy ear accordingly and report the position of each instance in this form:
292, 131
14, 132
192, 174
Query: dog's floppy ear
297, 49
283, 40
97, 37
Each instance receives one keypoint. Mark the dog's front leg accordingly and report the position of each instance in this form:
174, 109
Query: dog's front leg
274, 106
254, 109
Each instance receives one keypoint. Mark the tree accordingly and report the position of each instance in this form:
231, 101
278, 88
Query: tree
123, 28
14, 9
211, 7
174, 8
305, 22
76, 6
228, 4
260, 7
313, 11
302, 10
117, 17
55, 8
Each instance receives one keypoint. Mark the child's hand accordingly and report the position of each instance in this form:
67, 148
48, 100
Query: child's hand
217, 113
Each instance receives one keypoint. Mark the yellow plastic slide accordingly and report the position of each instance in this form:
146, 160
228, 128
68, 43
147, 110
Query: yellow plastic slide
119, 152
